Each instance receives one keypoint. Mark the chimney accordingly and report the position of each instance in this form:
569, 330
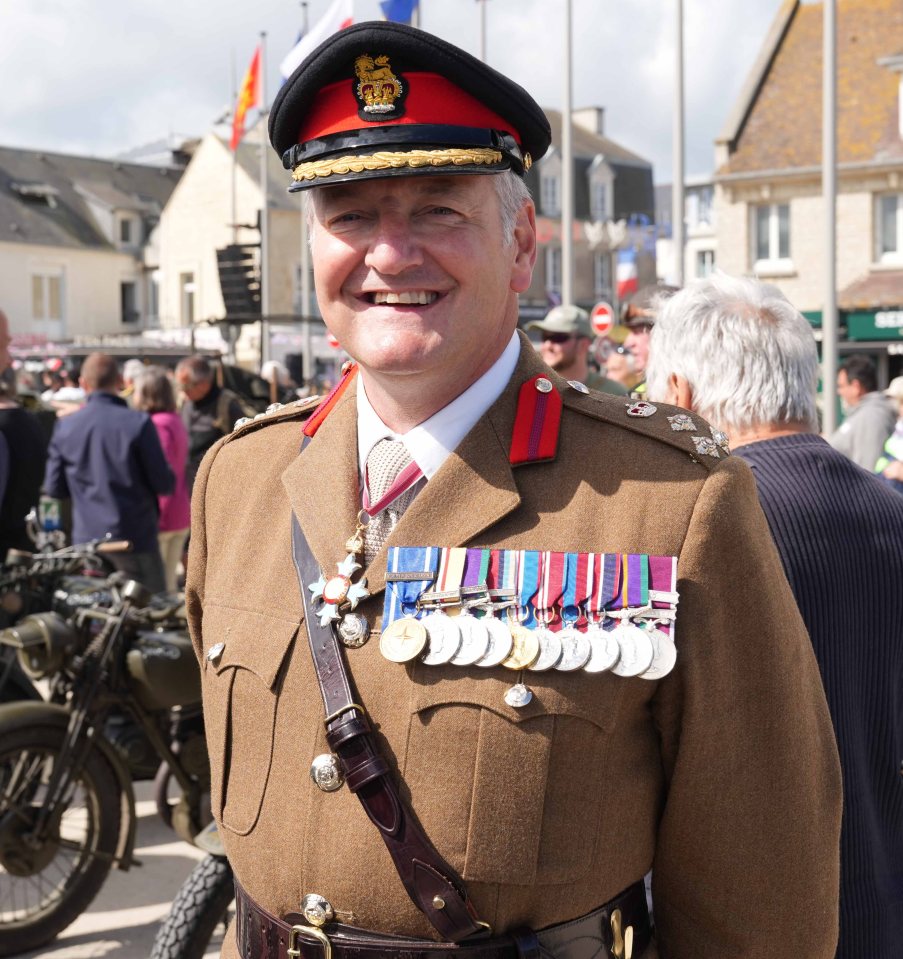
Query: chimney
590, 118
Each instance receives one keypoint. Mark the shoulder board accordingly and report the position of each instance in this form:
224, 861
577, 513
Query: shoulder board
276, 413
677, 427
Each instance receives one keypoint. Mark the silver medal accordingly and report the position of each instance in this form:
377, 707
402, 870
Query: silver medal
500, 642
575, 650
518, 695
604, 650
664, 655
444, 639
636, 650
549, 650
474, 640
354, 630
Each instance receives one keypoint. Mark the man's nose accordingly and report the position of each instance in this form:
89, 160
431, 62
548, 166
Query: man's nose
393, 247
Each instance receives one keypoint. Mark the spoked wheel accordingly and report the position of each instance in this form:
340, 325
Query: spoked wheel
49, 875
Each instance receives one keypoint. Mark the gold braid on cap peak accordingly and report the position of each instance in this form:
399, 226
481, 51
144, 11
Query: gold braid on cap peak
478, 156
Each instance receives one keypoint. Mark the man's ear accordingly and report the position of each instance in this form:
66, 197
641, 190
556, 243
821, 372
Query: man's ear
524, 240
679, 392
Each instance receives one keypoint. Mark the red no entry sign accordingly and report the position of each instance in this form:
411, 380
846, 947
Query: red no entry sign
602, 318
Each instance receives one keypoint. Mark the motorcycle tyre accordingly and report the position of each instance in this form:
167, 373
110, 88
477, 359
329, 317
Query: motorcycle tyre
198, 908
99, 780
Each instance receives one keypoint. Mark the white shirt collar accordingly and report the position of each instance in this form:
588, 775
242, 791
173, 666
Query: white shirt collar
431, 441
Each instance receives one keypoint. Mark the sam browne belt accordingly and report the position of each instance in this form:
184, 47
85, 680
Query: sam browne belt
619, 929
621, 926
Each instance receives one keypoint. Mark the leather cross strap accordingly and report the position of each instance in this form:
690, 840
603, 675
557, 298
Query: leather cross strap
434, 887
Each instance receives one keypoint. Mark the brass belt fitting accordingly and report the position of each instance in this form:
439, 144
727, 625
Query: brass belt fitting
298, 932
622, 946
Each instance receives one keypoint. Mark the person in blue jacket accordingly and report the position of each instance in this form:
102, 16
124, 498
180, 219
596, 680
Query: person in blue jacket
108, 460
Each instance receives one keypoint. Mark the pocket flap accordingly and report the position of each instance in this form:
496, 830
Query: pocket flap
254, 641
593, 698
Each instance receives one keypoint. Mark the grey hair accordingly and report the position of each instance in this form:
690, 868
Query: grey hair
509, 187
747, 353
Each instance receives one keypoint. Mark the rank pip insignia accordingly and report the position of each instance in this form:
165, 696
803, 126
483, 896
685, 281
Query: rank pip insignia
379, 92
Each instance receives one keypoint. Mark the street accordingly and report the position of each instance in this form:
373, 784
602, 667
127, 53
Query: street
124, 918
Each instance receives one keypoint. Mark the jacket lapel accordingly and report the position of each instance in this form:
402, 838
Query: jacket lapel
474, 488
472, 491
322, 485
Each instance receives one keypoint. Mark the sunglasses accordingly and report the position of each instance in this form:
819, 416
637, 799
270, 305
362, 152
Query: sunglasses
556, 337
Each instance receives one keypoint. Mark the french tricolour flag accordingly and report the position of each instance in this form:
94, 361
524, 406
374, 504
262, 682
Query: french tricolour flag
337, 17
626, 274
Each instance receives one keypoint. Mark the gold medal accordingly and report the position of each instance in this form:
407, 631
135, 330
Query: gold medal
525, 648
404, 640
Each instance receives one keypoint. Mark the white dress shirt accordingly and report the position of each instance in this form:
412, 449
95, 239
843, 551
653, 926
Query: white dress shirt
431, 441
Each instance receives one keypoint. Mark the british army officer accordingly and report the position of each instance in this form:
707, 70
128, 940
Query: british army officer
480, 648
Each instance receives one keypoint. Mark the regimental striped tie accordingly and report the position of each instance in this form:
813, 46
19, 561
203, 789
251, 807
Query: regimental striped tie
384, 462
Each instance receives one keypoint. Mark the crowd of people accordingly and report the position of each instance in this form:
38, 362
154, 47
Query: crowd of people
681, 459
120, 457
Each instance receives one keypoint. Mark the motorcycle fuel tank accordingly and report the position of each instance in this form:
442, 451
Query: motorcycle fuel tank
164, 670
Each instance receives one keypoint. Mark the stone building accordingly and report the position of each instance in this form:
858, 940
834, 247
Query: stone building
77, 244
768, 202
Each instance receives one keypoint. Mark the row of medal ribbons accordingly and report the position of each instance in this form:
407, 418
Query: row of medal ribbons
531, 610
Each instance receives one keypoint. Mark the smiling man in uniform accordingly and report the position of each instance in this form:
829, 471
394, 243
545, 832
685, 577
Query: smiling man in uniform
535, 721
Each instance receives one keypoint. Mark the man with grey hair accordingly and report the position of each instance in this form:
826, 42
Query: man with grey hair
737, 352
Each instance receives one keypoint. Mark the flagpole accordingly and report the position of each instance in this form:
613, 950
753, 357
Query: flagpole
482, 4
677, 190
234, 155
264, 208
567, 172
308, 366
829, 199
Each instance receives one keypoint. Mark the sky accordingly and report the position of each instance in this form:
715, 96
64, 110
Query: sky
101, 77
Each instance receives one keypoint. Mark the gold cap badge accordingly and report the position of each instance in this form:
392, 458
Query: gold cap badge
379, 92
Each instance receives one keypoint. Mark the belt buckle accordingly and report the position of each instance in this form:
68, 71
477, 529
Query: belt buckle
296, 932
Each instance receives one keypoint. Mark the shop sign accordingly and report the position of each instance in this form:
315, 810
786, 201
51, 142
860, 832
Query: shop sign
875, 325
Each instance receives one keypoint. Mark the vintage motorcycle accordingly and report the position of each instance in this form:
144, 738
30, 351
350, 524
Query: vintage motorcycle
67, 805
61, 579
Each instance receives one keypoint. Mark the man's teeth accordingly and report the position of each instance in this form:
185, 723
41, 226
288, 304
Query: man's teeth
413, 297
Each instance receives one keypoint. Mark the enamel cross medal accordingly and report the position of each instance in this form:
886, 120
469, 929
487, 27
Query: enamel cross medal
339, 591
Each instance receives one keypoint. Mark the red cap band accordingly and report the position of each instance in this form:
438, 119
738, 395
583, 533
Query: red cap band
431, 99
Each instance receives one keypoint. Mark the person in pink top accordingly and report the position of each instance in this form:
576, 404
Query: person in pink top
155, 395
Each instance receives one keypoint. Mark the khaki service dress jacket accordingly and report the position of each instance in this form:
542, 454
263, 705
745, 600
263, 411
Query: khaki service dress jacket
722, 777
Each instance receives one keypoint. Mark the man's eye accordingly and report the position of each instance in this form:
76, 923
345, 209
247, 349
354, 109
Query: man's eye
442, 210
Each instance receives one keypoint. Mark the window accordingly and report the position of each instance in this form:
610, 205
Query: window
47, 296
553, 269
601, 275
771, 233
128, 302
125, 231
890, 228
550, 194
187, 289
705, 262
152, 292
599, 200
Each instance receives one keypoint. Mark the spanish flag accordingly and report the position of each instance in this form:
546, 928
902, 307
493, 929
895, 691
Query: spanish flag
249, 96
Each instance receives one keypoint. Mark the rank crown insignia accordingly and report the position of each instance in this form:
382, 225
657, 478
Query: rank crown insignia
378, 87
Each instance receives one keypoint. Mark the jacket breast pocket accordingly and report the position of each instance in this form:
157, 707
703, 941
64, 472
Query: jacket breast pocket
512, 796
241, 698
